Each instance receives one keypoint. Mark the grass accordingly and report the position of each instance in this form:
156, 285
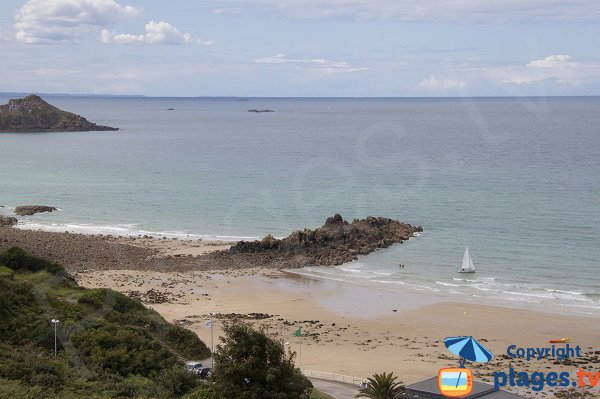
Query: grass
316, 394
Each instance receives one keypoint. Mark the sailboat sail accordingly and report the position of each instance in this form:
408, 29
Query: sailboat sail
467, 264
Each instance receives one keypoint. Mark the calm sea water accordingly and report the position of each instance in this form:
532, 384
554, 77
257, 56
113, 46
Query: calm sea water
517, 180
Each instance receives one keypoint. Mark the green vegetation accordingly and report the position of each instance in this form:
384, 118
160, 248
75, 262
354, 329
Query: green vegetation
250, 365
316, 394
110, 346
383, 386
32, 114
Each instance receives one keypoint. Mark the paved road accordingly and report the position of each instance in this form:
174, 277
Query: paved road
338, 391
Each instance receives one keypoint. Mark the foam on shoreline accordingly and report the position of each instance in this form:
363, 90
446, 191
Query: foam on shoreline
123, 230
486, 290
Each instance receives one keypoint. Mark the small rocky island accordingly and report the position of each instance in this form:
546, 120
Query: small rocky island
32, 114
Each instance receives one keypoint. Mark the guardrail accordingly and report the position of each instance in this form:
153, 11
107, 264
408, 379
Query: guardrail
322, 375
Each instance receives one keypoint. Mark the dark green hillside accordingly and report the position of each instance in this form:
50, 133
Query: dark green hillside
109, 345
32, 114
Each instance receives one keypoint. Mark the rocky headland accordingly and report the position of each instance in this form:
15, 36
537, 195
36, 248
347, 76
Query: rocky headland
336, 242
33, 114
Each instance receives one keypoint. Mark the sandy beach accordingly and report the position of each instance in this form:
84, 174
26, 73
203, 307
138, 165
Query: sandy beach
349, 329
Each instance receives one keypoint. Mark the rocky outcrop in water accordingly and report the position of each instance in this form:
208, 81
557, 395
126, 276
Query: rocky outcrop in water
32, 114
28, 210
7, 221
335, 243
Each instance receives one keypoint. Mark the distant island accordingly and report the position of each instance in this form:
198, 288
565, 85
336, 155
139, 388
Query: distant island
32, 114
260, 110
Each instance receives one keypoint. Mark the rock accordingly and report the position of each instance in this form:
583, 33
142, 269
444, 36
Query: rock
335, 243
7, 221
28, 210
334, 220
32, 114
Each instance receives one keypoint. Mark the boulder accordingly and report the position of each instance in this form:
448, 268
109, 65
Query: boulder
7, 221
28, 210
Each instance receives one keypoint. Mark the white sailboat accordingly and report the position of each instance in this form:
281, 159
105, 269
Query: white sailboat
467, 264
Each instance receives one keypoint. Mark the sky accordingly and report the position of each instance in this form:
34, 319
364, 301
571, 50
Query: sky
348, 48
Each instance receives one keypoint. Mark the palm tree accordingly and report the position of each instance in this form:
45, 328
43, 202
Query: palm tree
382, 386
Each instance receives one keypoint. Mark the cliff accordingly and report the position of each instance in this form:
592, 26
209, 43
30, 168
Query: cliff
32, 114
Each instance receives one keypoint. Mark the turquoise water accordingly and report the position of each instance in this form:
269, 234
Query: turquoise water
517, 180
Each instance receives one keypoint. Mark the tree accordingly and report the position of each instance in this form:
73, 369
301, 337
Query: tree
383, 386
250, 365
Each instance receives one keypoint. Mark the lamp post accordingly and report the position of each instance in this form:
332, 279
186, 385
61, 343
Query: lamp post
55, 322
212, 346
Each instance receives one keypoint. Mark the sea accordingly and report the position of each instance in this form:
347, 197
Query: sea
517, 180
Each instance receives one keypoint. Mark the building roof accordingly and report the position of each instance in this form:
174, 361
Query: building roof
429, 389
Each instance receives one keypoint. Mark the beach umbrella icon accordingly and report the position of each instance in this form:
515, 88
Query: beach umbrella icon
469, 349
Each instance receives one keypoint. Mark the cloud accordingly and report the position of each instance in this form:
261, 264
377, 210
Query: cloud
156, 33
440, 10
228, 11
434, 84
312, 63
67, 21
552, 61
558, 68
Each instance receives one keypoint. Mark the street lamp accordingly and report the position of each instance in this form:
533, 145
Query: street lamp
55, 322
212, 346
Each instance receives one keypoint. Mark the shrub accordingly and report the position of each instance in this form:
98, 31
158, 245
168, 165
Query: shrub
140, 387
176, 380
120, 309
33, 368
22, 318
19, 260
122, 350
251, 365
204, 392
17, 390
187, 342
110, 300
6, 272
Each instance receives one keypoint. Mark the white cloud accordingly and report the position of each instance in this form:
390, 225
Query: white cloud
65, 21
552, 61
432, 83
559, 68
440, 10
313, 63
156, 33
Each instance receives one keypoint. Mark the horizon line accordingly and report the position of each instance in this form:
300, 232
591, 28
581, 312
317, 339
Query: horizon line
21, 93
